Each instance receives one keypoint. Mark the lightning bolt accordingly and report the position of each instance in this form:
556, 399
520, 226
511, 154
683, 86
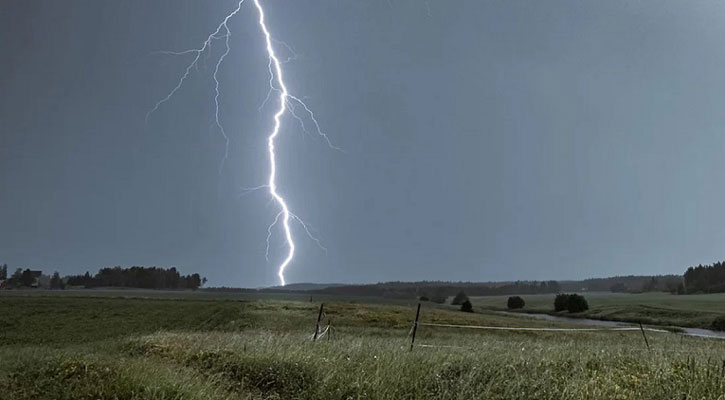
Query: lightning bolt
287, 103
222, 27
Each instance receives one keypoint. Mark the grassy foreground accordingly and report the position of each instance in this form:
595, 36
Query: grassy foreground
114, 348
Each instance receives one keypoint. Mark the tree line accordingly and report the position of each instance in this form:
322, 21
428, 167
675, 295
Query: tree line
705, 278
437, 290
138, 277
133, 277
625, 284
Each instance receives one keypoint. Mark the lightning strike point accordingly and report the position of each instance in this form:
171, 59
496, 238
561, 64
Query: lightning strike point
276, 73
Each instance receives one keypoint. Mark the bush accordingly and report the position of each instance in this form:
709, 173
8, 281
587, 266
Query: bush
515, 302
571, 302
424, 298
459, 299
577, 303
467, 306
561, 302
718, 324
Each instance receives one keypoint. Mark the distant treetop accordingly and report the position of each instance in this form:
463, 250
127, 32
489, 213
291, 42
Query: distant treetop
138, 277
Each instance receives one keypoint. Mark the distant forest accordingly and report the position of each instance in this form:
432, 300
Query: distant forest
137, 277
699, 279
433, 288
133, 277
624, 284
705, 279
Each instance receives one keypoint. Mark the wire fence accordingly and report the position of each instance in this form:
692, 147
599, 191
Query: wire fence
537, 329
327, 331
644, 330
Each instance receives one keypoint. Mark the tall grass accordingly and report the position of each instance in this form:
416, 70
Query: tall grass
262, 350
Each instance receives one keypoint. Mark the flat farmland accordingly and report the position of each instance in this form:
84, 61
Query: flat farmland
695, 311
67, 347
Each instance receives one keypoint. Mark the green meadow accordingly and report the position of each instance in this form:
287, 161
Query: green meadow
656, 308
201, 347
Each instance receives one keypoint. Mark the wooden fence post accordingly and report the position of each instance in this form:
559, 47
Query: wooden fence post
415, 327
317, 326
643, 335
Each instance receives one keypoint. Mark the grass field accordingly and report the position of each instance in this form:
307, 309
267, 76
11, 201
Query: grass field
695, 311
64, 347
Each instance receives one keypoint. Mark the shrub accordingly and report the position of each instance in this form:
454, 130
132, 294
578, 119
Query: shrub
561, 302
718, 323
571, 302
577, 303
515, 302
424, 298
459, 299
466, 306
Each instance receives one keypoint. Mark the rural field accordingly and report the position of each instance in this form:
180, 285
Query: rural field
201, 347
657, 308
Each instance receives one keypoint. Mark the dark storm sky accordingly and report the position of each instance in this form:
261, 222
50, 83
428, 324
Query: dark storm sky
485, 140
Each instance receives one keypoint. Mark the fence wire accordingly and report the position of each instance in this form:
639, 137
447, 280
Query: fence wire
510, 328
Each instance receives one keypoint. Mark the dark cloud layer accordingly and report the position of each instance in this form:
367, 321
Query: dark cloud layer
484, 140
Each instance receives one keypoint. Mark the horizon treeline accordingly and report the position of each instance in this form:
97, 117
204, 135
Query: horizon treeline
705, 278
415, 289
137, 277
626, 284
436, 289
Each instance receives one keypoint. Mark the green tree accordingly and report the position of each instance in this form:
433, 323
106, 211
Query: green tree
515, 302
4, 272
17, 277
561, 302
27, 278
466, 306
194, 281
577, 303
460, 298
681, 288
650, 286
56, 282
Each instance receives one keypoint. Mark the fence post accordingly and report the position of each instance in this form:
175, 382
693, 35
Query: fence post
415, 327
317, 326
643, 335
